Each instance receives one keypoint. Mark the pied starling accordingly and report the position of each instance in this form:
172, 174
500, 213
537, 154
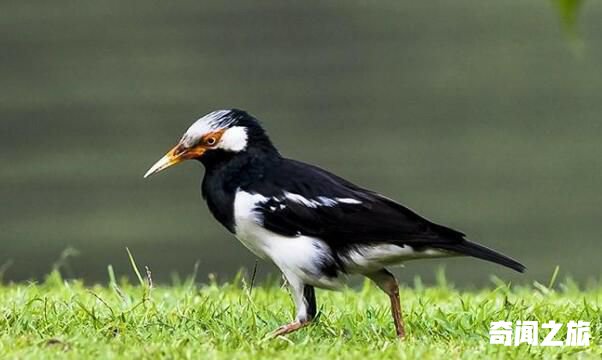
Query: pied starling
316, 227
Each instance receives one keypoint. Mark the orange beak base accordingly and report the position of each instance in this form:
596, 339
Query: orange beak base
173, 157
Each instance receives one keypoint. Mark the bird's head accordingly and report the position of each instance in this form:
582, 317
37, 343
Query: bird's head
218, 135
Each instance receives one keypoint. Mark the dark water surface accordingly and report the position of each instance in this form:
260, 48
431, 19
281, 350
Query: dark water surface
475, 114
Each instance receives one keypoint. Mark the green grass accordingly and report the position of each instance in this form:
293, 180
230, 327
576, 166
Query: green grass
58, 318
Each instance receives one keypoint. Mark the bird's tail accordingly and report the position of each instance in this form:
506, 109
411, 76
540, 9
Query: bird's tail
479, 251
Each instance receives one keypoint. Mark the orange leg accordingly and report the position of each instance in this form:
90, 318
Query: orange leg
289, 328
387, 282
396, 312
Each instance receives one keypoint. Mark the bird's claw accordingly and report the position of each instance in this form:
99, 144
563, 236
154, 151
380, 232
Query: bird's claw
287, 329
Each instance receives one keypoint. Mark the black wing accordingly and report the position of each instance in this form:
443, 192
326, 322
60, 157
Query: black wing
345, 215
342, 213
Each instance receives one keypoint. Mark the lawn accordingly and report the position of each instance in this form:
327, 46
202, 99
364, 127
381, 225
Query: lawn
65, 319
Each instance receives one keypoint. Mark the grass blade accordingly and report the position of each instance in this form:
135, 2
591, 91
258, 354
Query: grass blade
135, 267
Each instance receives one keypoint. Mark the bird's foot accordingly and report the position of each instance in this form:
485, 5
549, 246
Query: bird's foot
289, 328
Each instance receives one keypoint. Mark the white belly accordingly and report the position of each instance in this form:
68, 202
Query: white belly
296, 256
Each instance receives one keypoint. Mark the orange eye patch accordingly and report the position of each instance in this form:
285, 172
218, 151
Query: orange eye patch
212, 138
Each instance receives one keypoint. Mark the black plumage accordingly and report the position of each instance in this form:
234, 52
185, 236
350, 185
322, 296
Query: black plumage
376, 220
297, 200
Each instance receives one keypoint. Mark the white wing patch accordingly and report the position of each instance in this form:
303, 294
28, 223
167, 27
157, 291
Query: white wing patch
247, 204
348, 201
319, 201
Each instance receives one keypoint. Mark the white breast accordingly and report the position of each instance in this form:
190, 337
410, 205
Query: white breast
299, 256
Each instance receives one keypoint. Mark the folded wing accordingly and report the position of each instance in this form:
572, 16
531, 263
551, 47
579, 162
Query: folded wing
319, 204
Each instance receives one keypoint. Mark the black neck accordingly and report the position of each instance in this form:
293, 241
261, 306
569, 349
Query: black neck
225, 172
242, 164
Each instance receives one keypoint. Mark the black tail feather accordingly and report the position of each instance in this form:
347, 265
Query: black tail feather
479, 251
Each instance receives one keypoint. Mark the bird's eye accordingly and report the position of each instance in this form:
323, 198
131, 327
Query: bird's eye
210, 141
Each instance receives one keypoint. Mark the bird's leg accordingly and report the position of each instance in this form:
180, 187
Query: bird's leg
396, 312
305, 302
387, 282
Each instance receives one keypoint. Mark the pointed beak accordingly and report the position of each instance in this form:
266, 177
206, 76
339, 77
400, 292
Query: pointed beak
166, 161
173, 157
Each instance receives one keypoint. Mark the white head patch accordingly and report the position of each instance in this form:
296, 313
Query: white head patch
233, 139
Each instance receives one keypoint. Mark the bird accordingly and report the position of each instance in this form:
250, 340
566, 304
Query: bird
316, 227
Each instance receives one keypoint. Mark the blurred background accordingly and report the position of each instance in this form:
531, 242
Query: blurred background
477, 114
